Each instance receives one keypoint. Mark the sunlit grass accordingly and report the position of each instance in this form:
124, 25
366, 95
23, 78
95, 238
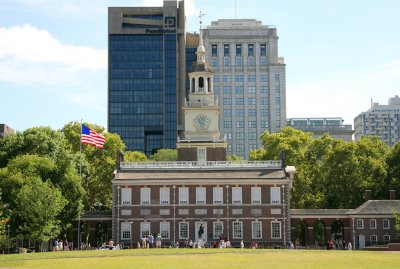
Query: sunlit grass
203, 258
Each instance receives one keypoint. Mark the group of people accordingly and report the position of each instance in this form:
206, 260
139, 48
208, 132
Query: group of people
334, 244
60, 245
148, 241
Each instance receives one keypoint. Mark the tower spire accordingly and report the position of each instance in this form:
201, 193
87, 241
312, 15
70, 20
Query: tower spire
201, 52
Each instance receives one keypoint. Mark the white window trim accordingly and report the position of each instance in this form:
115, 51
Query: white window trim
252, 230
218, 195
185, 191
198, 192
256, 191
370, 239
362, 224
187, 225
164, 192
388, 224
233, 230
142, 191
126, 227
383, 238
126, 196
165, 224
142, 224
370, 224
237, 195
215, 236
280, 230
277, 191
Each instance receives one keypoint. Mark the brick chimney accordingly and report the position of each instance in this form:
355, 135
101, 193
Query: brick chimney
392, 194
368, 195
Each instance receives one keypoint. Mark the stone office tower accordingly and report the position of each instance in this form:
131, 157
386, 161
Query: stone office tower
249, 80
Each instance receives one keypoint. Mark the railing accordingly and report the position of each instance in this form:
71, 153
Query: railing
199, 164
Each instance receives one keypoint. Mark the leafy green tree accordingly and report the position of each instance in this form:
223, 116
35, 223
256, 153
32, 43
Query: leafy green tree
38, 205
165, 155
234, 157
45, 142
393, 177
134, 156
97, 164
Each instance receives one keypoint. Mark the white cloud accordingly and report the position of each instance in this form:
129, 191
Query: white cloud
32, 55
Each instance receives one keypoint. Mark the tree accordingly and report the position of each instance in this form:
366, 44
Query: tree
134, 156
45, 142
98, 165
38, 205
234, 157
165, 155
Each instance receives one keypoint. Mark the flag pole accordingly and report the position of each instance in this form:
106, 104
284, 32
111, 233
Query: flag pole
80, 174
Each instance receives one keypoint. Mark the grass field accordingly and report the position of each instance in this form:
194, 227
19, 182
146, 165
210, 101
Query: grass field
203, 258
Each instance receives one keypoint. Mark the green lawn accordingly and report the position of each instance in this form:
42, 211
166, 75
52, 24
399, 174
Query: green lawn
203, 258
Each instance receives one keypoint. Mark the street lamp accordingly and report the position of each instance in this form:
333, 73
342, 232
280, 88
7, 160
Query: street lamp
118, 189
284, 215
227, 210
174, 187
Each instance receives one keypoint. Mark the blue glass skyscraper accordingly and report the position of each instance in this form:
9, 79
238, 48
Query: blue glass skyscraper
145, 81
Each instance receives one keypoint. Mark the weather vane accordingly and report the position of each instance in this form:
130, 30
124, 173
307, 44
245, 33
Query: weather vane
201, 18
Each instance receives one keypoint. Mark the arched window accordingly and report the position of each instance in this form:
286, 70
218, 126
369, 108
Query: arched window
193, 86
201, 84
208, 85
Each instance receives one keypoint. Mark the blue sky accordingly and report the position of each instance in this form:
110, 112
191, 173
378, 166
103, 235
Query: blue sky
339, 54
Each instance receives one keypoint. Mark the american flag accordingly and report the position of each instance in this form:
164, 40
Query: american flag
92, 138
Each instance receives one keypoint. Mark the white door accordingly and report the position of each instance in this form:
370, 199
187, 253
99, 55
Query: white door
198, 229
361, 241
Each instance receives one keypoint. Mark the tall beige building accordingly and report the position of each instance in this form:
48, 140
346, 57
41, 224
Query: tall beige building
380, 120
249, 80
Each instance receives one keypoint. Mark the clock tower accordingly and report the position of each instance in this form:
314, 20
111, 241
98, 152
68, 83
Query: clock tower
200, 140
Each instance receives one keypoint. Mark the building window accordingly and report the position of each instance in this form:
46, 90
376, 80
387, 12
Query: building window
263, 50
126, 195
144, 229
183, 195
239, 78
275, 195
164, 230
227, 124
252, 89
237, 230
239, 112
226, 50
374, 239
239, 61
276, 77
145, 196
276, 230
227, 101
263, 61
218, 228
239, 136
183, 230
227, 112
360, 224
228, 136
226, 78
386, 224
214, 62
256, 231
256, 195
264, 124
125, 230
372, 224
251, 101
239, 90
252, 136
201, 154
252, 124
214, 50
200, 195
226, 61
386, 239
252, 112
164, 196
251, 78
236, 195
263, 78
216, 78
252, 146
218, 195
240, 124
251, 50
238, 49
250, 61
240, 148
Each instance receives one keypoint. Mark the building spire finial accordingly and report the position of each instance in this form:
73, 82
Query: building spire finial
200, 49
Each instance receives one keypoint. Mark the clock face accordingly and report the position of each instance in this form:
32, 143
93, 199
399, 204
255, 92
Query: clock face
201, 122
